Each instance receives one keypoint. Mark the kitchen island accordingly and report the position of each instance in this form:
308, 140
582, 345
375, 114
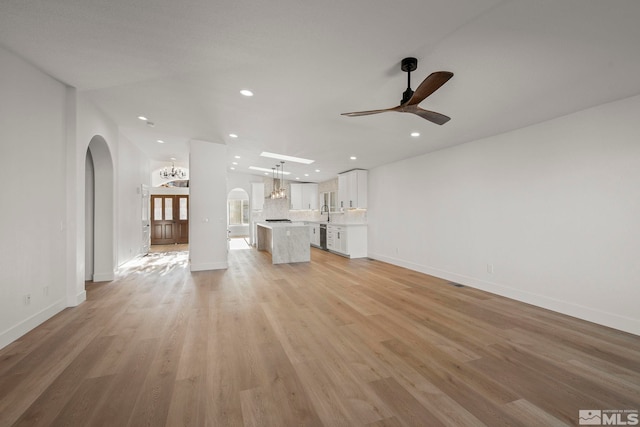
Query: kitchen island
286, 242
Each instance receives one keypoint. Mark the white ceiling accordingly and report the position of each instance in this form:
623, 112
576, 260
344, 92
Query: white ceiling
183, 63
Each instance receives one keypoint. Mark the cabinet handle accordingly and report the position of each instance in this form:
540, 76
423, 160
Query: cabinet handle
350, 203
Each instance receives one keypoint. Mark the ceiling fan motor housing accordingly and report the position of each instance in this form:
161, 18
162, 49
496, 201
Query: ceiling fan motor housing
406, 96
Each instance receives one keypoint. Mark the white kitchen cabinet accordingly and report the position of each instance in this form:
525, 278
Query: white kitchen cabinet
310, 196
352, 189
332, 232
336, 234
257, 196
295, 196
314, 234
304, 196
349, 240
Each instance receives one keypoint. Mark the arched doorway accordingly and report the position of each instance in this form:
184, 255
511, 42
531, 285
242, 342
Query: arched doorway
238, 218
99, 212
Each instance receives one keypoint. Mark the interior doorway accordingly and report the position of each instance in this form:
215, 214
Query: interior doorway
238, 217
100, 257
169, 219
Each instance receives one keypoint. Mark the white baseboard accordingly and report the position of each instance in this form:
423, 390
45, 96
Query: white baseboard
15, 332
590, 314
104, 277
80, 298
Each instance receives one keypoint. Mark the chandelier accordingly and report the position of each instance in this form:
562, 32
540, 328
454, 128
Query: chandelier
278, 191
173, 173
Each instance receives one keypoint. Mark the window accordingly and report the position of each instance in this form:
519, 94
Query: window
238, 212
328, 199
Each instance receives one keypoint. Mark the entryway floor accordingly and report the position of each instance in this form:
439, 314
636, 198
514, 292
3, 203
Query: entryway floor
169, 248
239, 243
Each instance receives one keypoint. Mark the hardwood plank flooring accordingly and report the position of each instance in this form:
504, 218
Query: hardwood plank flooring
333, 342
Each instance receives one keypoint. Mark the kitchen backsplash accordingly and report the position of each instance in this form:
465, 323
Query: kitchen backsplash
279, 209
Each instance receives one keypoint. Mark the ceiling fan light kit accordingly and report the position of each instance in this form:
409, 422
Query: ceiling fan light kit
411, 99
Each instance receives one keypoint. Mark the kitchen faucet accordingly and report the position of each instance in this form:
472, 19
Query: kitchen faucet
322, 211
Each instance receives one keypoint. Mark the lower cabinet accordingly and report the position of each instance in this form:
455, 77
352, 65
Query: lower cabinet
349, 240
314, 234
336, 239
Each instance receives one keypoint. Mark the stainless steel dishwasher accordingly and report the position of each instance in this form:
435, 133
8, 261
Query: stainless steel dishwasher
323, 236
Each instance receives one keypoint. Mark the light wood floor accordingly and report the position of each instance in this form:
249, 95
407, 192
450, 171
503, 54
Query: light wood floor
334, 342
169, 248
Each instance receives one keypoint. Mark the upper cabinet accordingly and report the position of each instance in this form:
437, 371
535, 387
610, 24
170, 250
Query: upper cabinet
257, 196
352, 189
304, 196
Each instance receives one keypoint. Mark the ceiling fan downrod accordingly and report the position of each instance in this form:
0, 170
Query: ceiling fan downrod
408, 65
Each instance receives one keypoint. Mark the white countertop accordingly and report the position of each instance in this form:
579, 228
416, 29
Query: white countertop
273, 225
341, 224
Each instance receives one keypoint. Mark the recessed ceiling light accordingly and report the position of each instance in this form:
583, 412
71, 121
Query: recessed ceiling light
415, 134
246, 92
232, 168
173, 158
160, 141
306, 174
234, 163
298, 178
353, 158
237, 157
256, 168
287, 158
317, 170
143, 118
233, 135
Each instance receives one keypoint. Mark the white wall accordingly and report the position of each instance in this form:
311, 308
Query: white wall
91, 124
208, 206
33, 216
45, 130
132, 172
554, 209
241, 180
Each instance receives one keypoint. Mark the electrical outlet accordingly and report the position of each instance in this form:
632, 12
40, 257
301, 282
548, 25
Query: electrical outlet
27, 299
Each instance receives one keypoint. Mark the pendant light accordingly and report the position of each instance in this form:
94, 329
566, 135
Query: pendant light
283, 192
279, 191
273, 190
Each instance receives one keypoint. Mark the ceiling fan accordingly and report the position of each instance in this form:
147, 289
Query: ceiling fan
411, 99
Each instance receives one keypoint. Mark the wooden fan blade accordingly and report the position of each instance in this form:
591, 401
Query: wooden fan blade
366, 113
429, 85
432, 116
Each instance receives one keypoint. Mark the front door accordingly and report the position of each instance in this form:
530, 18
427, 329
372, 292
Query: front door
170, 221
